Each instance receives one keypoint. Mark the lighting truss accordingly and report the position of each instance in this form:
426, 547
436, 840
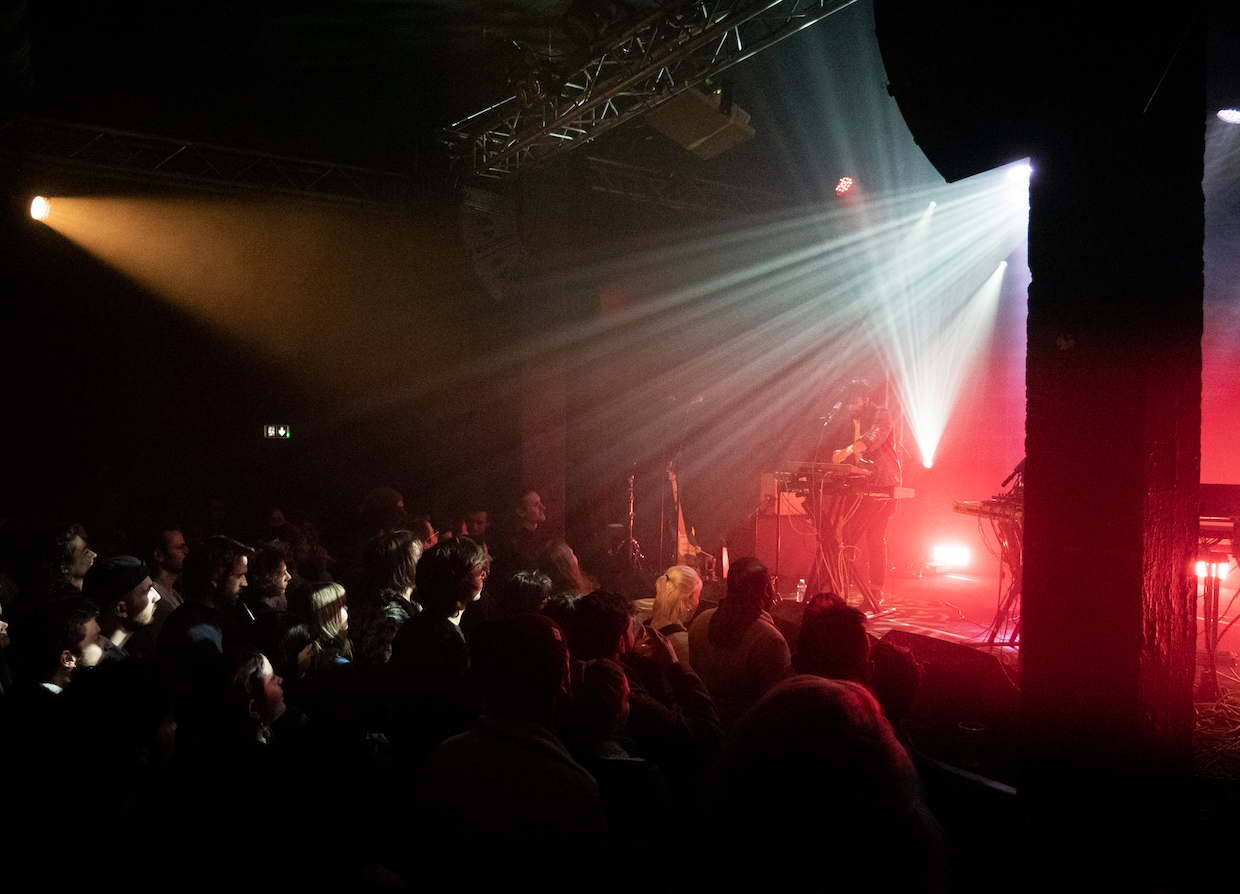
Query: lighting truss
685, 193
96, 150
676, 47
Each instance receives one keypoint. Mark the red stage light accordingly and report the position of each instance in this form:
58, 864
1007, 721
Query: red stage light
843, 186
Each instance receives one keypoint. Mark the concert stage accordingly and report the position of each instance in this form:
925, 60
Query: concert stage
944, 617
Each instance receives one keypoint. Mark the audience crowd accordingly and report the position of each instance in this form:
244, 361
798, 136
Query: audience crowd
404, 708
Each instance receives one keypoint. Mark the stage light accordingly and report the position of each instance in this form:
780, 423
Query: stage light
845, 184
40, 208
1230, 116
1020, 172
1216, 568
947, 557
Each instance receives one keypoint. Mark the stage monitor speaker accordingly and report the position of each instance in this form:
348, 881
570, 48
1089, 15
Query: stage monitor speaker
959, 684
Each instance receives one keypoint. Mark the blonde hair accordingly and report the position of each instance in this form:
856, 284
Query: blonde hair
325, 601
676, 595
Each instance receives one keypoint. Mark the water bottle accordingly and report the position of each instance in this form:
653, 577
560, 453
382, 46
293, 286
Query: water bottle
801, 590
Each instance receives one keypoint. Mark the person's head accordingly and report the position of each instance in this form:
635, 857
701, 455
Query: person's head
601, 626
254, 697
750, 583
558, 561
328, 614
392, 562
751, 591
530, 510
834, 644
383, 509
450, 575
65, 556
525, 592
121, 587
896, 678
855, 395
424, 530
476, 523
600, 703
521, 666
287, 640
676, 595
215, 573
168, 551
857, 777
267, 574
56, 638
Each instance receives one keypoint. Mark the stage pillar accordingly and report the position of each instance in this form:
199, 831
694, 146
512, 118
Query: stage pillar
1113, 431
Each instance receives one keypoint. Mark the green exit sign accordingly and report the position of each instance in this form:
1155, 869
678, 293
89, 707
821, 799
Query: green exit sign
277, 431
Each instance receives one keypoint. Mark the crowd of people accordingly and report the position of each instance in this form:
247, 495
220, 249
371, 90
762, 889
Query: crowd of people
424, 710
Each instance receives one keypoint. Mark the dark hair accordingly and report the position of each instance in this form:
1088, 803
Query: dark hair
598, 622
48, 628
854, 389
265, 563
524, 593
391, 562
281, 636
560, 609
834, 644
748, 581
443, 575
857, 778
421, 528
519, 663
207, 564
51, 546
154, 537
596, 711
896, 678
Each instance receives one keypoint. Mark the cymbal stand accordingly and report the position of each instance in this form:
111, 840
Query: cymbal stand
630, 550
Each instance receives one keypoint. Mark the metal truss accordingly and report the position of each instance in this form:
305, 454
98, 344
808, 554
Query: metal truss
94, 150
685, 193
677, 46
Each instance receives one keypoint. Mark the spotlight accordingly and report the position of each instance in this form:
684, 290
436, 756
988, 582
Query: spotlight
845, 184
1231, 116
949, 557
1020, 173
1213, 568
40, 208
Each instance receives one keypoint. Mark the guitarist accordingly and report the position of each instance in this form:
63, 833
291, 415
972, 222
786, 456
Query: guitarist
860, 432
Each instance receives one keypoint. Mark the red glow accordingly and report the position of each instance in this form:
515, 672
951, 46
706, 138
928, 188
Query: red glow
845, 184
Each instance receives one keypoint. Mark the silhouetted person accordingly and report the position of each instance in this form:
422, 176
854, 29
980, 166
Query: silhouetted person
737, 650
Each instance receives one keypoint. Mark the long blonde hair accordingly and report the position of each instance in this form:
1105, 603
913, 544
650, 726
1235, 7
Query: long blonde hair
330, 635
676, 595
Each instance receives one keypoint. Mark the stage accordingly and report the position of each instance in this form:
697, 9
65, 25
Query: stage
957, 608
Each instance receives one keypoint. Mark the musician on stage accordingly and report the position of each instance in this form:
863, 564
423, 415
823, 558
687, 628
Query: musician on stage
861, 433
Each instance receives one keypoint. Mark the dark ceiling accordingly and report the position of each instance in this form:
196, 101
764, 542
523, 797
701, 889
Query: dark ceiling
363, 82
